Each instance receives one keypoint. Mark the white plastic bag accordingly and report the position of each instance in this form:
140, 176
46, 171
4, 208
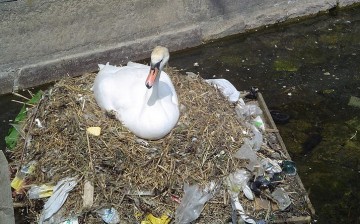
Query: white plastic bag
226, 88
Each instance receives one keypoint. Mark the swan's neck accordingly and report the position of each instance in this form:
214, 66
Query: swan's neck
152, 95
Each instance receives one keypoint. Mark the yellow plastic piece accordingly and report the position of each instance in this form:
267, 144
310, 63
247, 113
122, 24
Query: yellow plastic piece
18, 182
96, 131
150, 219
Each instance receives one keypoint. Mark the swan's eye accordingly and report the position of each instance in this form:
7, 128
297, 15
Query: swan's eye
157, 65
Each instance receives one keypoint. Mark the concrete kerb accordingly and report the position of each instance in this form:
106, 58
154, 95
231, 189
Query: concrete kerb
75, 65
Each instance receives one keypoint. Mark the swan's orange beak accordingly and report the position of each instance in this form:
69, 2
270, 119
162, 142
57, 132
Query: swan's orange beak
151, 77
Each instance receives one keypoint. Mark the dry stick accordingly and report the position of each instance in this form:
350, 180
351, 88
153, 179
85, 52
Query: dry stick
89, 151
28, 104
19, 95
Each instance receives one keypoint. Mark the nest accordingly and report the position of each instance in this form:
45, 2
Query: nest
134, 176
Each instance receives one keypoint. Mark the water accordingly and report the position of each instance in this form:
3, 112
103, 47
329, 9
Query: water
309, 70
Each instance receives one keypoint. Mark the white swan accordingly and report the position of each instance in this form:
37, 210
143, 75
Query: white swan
145, 102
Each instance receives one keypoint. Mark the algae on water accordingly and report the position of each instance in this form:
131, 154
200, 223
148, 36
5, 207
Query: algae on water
285, 65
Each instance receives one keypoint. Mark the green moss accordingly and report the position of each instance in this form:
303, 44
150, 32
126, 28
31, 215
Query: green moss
354, 123
285, 65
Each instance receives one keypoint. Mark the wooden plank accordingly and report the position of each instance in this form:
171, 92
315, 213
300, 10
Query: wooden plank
272, 125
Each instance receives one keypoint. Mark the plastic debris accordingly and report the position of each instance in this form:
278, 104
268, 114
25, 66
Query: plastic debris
252, 93
109, 215
260, 183
246, 152
288, 167
193, 202
270, 165
282, 198
244, 111
38, 123
142, 142
259, 123
226, 88
18, 182
60, 194
88, 197
42, 191
150, 219
191, 75
257, 139
72, 220
96, 131
237, 182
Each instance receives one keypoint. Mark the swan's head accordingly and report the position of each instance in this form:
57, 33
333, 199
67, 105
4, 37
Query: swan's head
159, 57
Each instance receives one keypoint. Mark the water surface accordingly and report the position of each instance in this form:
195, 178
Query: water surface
309, 70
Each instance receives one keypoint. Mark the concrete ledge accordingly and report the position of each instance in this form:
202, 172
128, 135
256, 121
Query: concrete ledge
74, 65
44, 40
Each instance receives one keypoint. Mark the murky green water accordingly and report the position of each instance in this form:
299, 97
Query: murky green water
308, 70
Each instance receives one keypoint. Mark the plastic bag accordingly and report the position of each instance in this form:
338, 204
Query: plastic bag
244, 111
226, 88
193, 202
237, 182
282, 198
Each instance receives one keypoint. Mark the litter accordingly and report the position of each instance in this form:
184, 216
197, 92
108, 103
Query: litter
259, 123
212, 140
43, 191
109, 215
88, 198
282, 198
73, 220
237, 182
193, 202
18, 182
288, 167
226, 88
96, 131
150, 219
60, 193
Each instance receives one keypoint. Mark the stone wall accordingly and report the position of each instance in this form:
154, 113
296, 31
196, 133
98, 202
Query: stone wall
44, 40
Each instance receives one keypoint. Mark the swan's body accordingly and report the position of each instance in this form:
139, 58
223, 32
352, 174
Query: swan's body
146, 103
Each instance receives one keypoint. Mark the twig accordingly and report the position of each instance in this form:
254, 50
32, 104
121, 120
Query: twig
89, 151
19, 95
29, 104
353, 135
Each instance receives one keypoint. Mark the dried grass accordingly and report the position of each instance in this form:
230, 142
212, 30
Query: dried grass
121, 166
